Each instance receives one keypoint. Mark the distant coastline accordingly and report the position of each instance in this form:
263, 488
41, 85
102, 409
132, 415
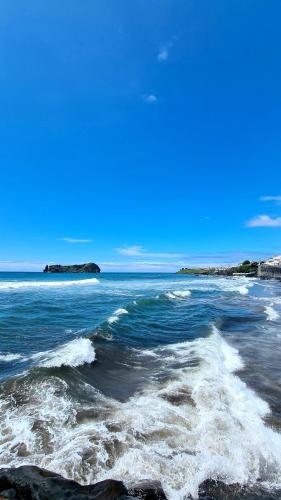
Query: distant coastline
269, 269
245, 268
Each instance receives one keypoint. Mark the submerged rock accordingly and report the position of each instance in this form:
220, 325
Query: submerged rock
147, 490
32, 483
29, 482
217, 490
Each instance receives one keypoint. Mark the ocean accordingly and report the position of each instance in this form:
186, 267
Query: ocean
133, 376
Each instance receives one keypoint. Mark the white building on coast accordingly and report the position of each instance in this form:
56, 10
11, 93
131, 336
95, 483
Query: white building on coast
270, 268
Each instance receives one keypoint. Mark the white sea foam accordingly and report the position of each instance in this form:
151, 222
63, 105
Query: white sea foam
202, 422
239, 285
271, 314
18, 285
74, 353
178, 294
10, 357
243, 290
217, 431
116, 315
276, 300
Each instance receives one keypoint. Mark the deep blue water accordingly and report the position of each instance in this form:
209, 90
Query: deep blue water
178, 375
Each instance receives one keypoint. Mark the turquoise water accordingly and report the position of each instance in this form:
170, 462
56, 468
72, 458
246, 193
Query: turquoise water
130, 376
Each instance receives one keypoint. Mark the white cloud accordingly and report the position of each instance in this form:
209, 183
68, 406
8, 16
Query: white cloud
264, 221
149, 98
133, 250
271, 198
141, 266
75, 240
138, 250
163, 54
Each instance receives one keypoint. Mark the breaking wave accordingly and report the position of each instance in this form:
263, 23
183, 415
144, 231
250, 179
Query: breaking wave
10, 357
239, 285
115, 316
75, 353
243, 290
271, 314
178, 294
18, 285
201, 422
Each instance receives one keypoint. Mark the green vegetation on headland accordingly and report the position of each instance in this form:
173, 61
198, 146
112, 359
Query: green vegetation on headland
196, 270
246, 268
90, 267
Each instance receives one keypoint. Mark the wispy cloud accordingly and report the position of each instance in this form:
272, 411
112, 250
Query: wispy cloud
133, 250
141, 266
149, 98
138, 250
264, 221
164, 51
163, 54
277, 199
75, 240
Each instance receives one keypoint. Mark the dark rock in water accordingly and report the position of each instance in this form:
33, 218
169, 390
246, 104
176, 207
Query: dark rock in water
32, 483
90, 267
217, 490
148, 490
6, 494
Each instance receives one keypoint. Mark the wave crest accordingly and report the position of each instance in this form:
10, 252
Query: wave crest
116, 315
18, 285
271, 314
178, 294
75, 353
10, 357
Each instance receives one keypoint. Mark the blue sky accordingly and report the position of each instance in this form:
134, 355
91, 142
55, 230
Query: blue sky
141, 135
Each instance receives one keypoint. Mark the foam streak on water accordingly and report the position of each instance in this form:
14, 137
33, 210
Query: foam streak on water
21, 285
10, 357
178, 294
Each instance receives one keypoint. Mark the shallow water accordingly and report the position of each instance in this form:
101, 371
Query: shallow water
133, 376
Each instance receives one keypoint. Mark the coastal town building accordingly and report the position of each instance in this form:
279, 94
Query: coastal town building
270, 268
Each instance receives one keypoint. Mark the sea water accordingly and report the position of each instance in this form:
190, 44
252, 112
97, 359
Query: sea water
135, 376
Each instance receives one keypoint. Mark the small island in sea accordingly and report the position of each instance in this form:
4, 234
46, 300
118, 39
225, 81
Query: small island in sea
89, 267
